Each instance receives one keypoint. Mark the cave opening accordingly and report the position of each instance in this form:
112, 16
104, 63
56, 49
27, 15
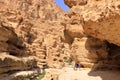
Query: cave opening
114, 50
113, 55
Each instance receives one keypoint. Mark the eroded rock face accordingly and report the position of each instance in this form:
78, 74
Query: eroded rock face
35, 34
88, 51
52, 74
101, 19
31, 29
72, 3
85, 50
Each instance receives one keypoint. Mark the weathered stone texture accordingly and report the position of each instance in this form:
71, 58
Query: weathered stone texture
100, 19
25, 26
36, 34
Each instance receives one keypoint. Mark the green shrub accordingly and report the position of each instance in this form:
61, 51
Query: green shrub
69, 61
41, 76
26, 79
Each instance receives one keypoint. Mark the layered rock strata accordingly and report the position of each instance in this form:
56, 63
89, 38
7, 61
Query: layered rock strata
99, 19
35, 34
30, 37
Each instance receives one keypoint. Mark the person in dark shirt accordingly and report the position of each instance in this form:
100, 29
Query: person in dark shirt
76, 66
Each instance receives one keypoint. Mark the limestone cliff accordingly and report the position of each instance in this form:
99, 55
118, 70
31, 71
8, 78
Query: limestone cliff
100, 18
97, 19
30, 38
37, 34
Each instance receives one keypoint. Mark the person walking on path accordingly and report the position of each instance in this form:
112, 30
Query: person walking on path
76, 66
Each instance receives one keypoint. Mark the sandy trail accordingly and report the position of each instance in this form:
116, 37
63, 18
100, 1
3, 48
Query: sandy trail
86, 74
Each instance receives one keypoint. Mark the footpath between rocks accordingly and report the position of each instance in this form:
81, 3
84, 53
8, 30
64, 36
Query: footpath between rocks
68, 73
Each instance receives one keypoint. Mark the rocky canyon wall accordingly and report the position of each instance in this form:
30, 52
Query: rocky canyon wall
93, 26
30, 38
37, 34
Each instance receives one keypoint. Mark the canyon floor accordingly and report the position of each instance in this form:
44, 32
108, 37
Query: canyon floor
68, 73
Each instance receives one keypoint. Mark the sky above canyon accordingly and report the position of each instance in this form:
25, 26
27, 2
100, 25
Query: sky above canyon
62, 5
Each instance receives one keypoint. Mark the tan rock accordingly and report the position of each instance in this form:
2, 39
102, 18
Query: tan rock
100, 18
72, 3
11, 63
39, 28
75, 31
52, 74
23, 27
88, 51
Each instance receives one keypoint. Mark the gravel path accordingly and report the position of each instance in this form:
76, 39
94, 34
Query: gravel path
86, 74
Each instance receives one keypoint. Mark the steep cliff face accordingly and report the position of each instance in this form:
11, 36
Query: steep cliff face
30, 38
36, 34
94, 19
89, 51
101, 18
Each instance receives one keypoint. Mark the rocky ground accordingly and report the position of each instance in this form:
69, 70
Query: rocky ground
68, 73
87, 74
